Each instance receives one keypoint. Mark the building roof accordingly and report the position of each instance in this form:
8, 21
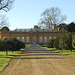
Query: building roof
22, 30
33, 29
6, 28
60, 27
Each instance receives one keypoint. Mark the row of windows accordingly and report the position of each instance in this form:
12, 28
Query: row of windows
33, 39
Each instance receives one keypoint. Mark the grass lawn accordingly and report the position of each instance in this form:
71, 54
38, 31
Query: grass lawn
66, 52
43, 45
27, 45
4, 59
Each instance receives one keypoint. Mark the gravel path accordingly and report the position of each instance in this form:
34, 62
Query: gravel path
39, 61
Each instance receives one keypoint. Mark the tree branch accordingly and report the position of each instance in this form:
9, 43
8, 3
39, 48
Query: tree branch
6, 6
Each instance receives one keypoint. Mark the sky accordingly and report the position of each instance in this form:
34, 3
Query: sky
27, 13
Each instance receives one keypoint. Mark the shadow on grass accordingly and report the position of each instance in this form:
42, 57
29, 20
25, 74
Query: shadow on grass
7, 56
73, 50
38, 54
67, 54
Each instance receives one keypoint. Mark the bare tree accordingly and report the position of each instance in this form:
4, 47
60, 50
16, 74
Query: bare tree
3, 21
6, 5
51, 17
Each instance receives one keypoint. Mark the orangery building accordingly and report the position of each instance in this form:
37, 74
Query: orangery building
33, 35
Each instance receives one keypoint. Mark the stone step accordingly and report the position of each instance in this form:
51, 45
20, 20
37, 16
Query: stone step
34, 47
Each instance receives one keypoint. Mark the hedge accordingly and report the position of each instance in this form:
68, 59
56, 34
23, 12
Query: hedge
11, 45
49, 43
65, 42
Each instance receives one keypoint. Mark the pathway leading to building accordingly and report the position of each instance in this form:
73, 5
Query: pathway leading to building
36, 60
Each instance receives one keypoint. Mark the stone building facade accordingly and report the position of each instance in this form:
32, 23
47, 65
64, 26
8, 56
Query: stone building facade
33, 35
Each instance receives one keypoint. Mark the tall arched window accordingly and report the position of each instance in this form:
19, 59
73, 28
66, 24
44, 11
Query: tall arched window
22, 39
34, 39
50, 37
27, 39
45, 38
18, 38
40, 39
54, 37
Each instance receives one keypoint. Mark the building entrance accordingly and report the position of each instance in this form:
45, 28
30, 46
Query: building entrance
34, 40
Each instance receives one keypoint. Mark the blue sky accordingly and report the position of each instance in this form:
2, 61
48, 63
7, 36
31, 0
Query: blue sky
26, 13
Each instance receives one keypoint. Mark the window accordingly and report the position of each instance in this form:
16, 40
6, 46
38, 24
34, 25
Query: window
40, 39
34, 39
18, 38
54, 37
50, 37
45, 38
23, 39
27, 39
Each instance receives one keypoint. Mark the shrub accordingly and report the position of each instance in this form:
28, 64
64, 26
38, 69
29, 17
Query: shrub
6, 45
49, 43
56, 43
11, 45
69, 37
1, 45
42, 44
66, 42
73, 44
17, 44
73, 40
62, 42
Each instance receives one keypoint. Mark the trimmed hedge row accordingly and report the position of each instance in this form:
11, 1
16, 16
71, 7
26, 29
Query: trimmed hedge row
11, 45
65, 42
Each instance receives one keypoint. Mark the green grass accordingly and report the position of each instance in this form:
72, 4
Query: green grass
27, 45
43, 45
4, 59
66, 52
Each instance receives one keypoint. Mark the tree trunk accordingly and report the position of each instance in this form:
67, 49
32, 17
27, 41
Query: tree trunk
6, 52
12, 51
71, 50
